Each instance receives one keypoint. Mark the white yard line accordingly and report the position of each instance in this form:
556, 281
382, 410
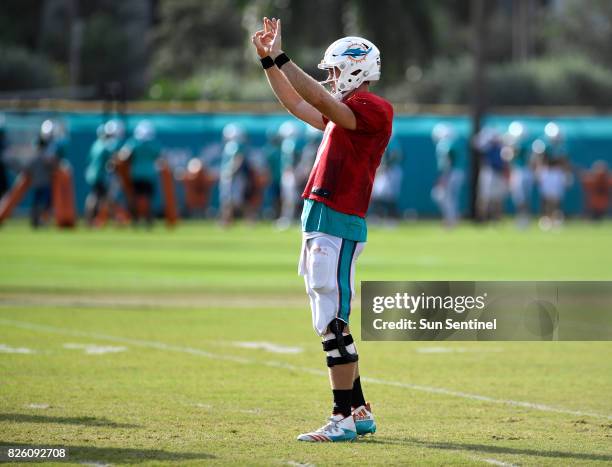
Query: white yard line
495, 462
37, 406
274, 364
445, 350
8, 349
268, 347
93, 349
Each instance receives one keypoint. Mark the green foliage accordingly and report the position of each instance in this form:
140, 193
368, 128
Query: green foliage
192, 33
217, 84
115, 46
562, 81
102, 62
445, 82
18, 28
582, 28
21, 69
382, 23
569, 80
188, 47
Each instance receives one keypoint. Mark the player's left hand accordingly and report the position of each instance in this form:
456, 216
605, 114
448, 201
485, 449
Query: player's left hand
273, 31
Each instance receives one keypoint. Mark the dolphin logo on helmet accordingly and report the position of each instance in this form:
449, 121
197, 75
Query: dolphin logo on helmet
356, 52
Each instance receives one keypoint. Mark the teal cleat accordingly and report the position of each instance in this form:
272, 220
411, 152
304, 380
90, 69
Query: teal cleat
364, 420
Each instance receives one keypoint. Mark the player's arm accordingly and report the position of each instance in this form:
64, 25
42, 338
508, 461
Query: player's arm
308, 88
318, 97
125, 152
285, 93
291, 100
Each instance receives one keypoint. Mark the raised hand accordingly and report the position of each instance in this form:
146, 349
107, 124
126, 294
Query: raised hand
261, 43
267, 41
274, 29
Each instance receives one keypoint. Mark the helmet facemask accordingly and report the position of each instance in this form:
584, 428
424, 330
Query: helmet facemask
333, 75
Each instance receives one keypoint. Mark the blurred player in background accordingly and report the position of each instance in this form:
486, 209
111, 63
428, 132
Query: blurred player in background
518, 152
197, 182
234, 175
553, 175
555, 148
40, 168
97, 172
272, 155
141, 152
450, 174
493, 175
312, 140
95, 175
289, 134
258, 177
357, 127
388, 184
597, 184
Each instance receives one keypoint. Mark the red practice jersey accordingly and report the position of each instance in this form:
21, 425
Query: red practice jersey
344, 170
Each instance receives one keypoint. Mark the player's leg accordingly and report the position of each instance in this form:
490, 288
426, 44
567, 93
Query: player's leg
484, 192
148, 195
91, 203
345, 381
342, 361
319, 265
329, 279
360, 409
36, 209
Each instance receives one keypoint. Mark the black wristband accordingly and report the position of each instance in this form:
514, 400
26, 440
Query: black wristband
266, 62
281, 60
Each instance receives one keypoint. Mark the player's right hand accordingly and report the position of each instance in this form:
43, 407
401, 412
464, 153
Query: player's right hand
257, 42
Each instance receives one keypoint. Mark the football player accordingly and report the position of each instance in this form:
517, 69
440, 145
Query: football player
142, 152
357, 126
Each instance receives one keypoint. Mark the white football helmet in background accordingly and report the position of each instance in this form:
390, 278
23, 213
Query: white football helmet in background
144, 131
442, 131
114, 129
358, 60
233, 132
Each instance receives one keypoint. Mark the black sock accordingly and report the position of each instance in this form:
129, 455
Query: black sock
342, 401
357, 399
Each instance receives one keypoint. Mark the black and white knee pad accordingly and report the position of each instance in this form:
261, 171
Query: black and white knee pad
339, 346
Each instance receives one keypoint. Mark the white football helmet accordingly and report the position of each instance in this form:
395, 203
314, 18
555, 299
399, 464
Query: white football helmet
47, 130
358, 60
553, 132
114, 129
442, 131
486, 138
144, 131
517, 130
233, 132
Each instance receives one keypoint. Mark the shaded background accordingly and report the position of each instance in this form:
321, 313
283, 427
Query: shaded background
540, 52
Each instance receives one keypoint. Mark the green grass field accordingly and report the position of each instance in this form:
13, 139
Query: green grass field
167, 319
